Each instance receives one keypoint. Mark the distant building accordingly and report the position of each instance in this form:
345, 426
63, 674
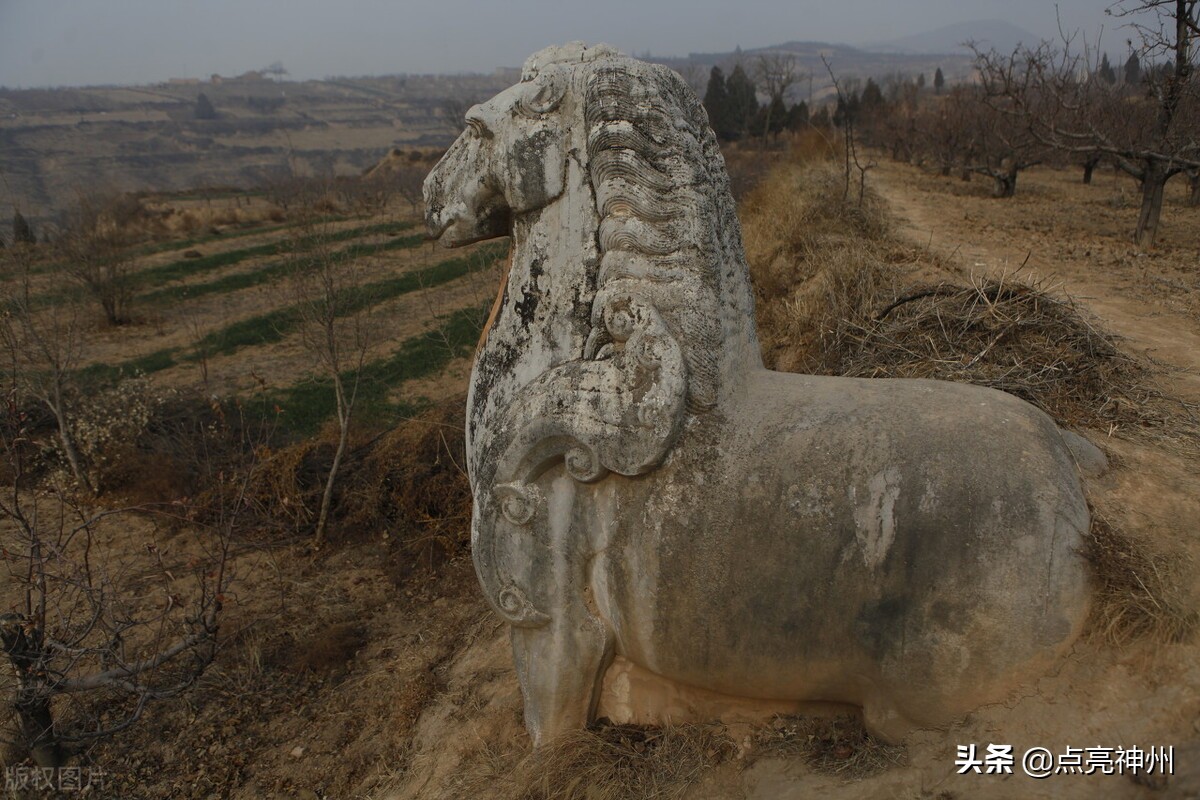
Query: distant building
216, 79
184, 81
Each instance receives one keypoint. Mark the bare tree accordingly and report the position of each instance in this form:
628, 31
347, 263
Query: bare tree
94, 248
275, 70
997, 144
409, 180
776, 72
847, 121
454, 113
1149, 129
337, 329
94, 634
695, 76
942, 130
42, 348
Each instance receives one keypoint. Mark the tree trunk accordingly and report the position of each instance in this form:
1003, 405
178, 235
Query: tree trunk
945, 170
344, 410
37, 731
1153, 183
1194, 186
1089, 167
35, 722
965, 175
1006, 183
68, 441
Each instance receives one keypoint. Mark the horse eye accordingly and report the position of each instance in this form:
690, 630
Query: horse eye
479, 127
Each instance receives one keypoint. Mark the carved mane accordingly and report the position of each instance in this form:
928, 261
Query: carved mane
658, 181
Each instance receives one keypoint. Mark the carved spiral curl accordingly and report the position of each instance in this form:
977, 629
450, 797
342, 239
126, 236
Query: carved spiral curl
518, 502
583, 464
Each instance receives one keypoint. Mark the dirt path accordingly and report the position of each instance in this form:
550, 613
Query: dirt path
1071, 236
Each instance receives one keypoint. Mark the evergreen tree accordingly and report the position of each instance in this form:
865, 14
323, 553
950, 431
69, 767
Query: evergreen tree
204, 108
22, 231
778, 116
1106, 72
921, 81
797, 116
939, 81
872, 97
743, 102
821, 118
847, 111
716, 103
1133, 69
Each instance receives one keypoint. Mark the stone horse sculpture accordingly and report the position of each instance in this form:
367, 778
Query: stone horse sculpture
644, 488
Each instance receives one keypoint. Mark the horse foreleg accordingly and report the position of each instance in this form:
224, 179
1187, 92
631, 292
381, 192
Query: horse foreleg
561, 664
560, 667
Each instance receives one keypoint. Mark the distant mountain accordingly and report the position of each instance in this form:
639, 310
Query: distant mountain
987, 33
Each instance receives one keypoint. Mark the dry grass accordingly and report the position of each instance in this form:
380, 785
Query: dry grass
1138, 592
410, 481
608, 762
829, 745
817, 259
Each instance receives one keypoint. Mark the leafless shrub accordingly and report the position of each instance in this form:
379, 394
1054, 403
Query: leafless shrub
409, 480
365, 194
337, 328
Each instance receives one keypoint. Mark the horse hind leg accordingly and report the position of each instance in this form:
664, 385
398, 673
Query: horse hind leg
883, 719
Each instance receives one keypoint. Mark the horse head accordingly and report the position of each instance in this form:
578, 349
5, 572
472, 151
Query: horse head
511, 157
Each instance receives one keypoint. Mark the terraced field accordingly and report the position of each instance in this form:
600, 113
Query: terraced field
222, 311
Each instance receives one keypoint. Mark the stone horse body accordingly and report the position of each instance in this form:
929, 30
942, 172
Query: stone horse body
644, 488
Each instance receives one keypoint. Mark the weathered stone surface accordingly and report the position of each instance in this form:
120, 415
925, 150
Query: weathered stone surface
644, 488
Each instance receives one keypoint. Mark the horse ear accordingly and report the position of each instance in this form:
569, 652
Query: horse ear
544, 93
537, 171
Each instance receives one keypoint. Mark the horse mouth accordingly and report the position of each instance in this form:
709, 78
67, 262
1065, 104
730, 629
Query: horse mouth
492, 223
435, 228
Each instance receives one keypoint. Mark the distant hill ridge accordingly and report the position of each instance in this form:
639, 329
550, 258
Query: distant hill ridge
989, 33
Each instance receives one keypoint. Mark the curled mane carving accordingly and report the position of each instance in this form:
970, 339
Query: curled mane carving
658, 181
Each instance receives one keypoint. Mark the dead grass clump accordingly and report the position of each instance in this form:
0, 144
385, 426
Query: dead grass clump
414, 478
1008, 336
1138, 591
830, 745
610, 762
818, 259
799, 210
409, 481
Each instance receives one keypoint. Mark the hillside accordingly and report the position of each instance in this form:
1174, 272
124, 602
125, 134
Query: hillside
56, 142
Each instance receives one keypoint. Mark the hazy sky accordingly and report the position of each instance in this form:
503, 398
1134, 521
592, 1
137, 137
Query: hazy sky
76, 42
